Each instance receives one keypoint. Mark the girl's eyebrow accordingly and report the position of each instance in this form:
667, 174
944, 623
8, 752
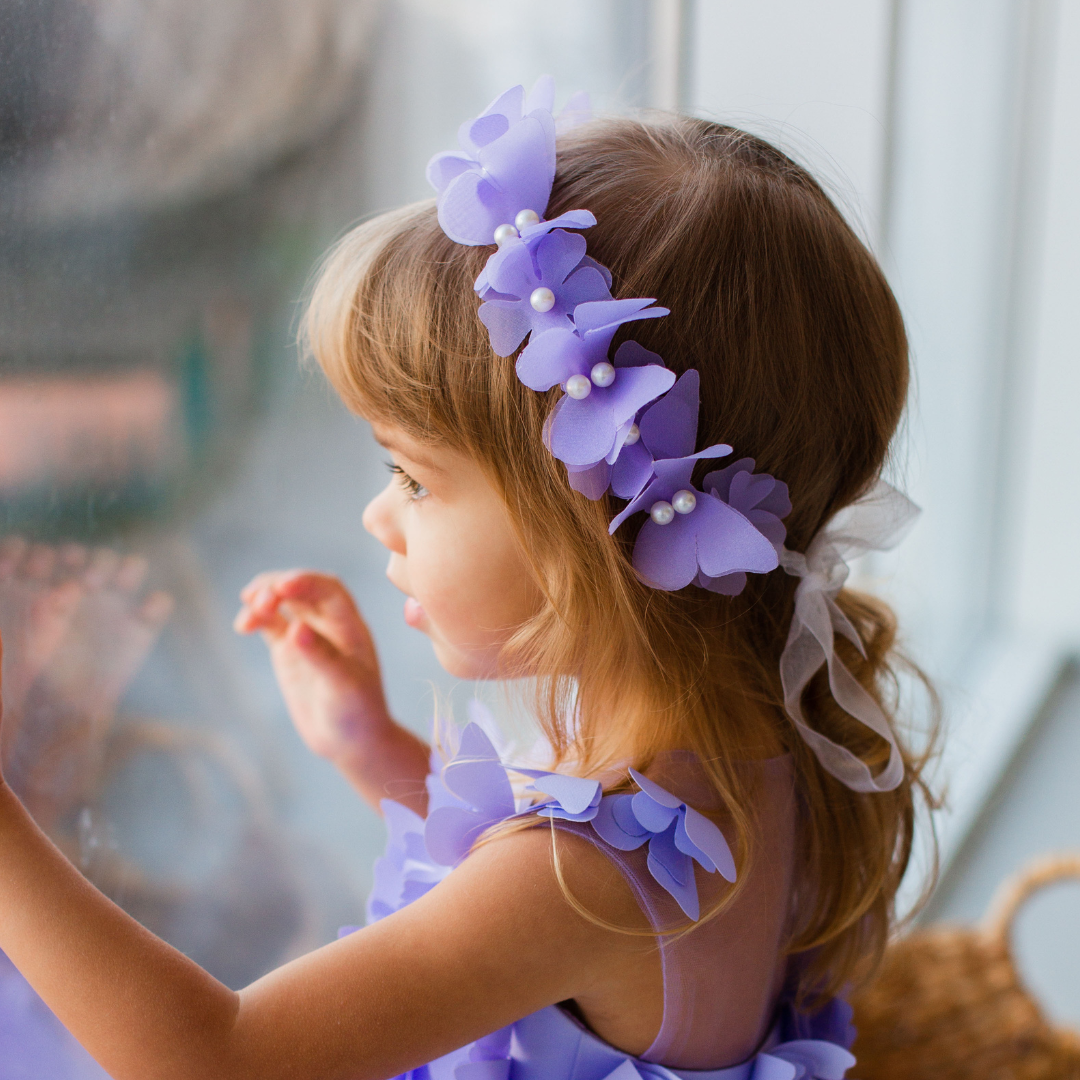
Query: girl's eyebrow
388, 442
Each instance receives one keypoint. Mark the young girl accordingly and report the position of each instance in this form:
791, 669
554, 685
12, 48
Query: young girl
713, 853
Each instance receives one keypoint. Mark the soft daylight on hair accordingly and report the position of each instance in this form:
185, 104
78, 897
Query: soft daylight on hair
803, 364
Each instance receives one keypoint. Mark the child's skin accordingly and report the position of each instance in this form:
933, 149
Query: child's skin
495, 941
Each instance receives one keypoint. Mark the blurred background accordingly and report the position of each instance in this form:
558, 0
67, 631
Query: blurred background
170, 171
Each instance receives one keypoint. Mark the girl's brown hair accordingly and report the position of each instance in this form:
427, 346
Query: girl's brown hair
803, 363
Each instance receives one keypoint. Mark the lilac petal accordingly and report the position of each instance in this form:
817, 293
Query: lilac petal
522, 164
584, 430
767, 1067
726, 584
631, 471
605, 273
583, 285
611, 314
482, 1070
665, 556
634, 388
748, 489
708, 840
574, 793
817, 1058
477, 776
556, 257
572, 219
542, 95
653, 815
553, 810
507, 325
669, 428
778, 501
727, 541
592, 482
510, 270
619, 827
769, 525
451, 831
551, 358
486, 129
620, 441
631, 354
721, 479
674, 872
671, 474
442, 168
655, 791
466, 213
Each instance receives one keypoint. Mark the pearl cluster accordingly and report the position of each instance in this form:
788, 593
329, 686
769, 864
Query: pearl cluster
523, 220
602, 374
682, 502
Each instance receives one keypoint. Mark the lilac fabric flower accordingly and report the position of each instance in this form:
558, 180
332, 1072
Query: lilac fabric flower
667, 429
678, 836
506, 164
709, 537
555, 261
477, 796
761, 499
584, 430
407, 870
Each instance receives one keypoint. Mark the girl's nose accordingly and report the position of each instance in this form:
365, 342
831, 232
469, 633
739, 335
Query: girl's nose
381, 519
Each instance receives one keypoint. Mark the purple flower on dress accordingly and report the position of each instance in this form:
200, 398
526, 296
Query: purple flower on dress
476, 796
407, 870
666, 429
506, 164
555, 262
678, 836
692, 531
761, 499
590, 423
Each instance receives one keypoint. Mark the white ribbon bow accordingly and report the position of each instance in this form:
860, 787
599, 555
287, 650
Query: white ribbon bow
876, 522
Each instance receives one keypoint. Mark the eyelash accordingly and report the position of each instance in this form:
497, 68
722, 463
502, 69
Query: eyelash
415, 489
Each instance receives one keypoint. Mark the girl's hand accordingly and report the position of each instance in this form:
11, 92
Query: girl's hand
325, 662
324, 658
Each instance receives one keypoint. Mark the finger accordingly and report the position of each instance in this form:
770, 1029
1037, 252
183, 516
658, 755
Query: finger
270, 622
326, 604
131, 573
156, 608
267, 579
101, 568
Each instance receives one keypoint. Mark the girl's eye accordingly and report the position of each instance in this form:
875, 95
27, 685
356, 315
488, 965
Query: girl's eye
415, 489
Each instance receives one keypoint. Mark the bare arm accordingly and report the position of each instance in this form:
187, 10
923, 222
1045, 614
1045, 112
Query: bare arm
493, 942
324, 658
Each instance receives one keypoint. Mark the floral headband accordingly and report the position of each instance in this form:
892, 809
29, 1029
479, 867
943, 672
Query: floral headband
625, 423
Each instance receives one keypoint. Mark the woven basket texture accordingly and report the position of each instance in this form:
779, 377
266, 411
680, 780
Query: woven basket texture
948, 1003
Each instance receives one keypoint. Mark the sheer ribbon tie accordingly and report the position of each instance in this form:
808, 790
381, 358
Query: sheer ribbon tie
876, 522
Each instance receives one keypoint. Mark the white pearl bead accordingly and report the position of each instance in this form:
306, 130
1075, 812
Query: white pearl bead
662, 513
525, 218
682, 502
603, 374
504, 233
542, 299
632, 435
577, 386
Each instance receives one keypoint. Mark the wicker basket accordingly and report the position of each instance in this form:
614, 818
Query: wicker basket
948, 1003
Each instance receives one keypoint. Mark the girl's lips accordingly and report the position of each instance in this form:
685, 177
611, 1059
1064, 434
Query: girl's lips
414, 614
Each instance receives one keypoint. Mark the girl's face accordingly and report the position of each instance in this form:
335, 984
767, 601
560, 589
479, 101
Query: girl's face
452, 552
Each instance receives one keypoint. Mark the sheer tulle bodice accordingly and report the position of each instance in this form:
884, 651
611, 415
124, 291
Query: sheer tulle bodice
723, 1015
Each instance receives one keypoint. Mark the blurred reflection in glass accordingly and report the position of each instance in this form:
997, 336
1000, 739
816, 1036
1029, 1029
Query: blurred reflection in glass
159, 162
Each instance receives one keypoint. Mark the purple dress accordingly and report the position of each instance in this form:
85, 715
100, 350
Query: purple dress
725, 1016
